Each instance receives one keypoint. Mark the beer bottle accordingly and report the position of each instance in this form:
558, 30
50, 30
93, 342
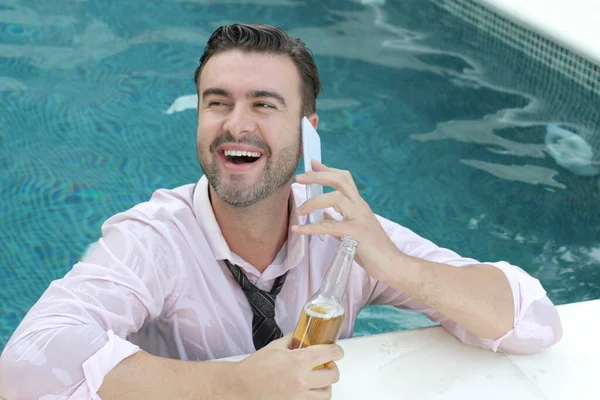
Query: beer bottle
323, 314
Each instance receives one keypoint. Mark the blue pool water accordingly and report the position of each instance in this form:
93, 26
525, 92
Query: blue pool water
443, 127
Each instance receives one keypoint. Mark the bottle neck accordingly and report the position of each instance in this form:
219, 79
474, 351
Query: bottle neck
335, 281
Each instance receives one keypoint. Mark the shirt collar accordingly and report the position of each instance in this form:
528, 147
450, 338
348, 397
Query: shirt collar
294, 247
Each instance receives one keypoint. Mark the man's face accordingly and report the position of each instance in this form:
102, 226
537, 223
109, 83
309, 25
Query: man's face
249, 111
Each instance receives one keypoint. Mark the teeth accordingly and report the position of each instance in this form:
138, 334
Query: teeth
239, 153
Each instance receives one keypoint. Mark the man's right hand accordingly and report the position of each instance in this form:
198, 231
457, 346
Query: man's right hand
276, 372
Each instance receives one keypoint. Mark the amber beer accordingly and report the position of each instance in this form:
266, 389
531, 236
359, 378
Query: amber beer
322, 316
318, 324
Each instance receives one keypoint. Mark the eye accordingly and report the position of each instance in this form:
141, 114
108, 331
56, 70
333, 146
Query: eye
263, 105
215, 103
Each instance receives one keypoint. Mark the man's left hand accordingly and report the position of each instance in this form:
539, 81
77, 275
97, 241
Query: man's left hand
376, 252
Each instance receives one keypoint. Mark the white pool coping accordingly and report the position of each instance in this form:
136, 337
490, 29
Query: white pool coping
574, 24
430, 363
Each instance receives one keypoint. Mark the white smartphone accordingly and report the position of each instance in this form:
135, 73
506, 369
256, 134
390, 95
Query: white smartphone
311, 148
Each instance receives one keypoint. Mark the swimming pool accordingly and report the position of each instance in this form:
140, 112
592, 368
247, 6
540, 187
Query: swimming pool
445, 129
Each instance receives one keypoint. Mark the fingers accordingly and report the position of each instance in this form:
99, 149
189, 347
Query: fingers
319, 382
338, 179
320, 354
326, 227
336, 200
333, 217
320, 394
325, 377
319, 166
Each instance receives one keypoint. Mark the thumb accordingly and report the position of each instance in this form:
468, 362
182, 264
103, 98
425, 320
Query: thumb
281, 343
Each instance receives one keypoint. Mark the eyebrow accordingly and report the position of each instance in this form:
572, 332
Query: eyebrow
252, 94
216, 92
268, 94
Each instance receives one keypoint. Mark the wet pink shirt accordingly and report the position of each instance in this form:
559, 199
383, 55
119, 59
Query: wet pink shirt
157, 282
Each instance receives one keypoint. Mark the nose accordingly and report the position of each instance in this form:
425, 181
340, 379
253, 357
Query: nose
240, 122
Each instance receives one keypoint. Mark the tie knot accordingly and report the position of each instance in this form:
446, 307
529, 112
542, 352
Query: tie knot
264, 327
261, 301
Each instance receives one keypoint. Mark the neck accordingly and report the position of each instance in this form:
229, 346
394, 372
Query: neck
255, 233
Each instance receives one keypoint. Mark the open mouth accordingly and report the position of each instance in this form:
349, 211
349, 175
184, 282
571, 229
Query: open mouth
241, 157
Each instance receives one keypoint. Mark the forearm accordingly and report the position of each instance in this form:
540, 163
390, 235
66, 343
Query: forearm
46, 358
479, 297
91, 361
147, 377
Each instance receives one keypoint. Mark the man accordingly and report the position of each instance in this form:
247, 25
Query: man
170, 284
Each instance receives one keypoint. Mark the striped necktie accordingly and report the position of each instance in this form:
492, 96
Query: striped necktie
264, 327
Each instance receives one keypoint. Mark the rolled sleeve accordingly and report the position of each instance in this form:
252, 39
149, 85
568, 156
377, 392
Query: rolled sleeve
101, 363
536, 323
76, 332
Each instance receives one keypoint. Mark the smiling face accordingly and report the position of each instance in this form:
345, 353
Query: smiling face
249, 112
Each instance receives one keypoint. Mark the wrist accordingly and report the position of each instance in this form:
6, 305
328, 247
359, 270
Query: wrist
404, 271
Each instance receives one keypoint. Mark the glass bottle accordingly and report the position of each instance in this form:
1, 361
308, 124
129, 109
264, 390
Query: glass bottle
322, 316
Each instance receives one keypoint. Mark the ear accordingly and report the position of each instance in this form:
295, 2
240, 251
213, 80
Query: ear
314, 120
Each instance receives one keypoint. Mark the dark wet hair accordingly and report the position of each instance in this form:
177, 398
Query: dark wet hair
268, 39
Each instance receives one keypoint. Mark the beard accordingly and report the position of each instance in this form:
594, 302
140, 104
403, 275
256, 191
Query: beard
235, 191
